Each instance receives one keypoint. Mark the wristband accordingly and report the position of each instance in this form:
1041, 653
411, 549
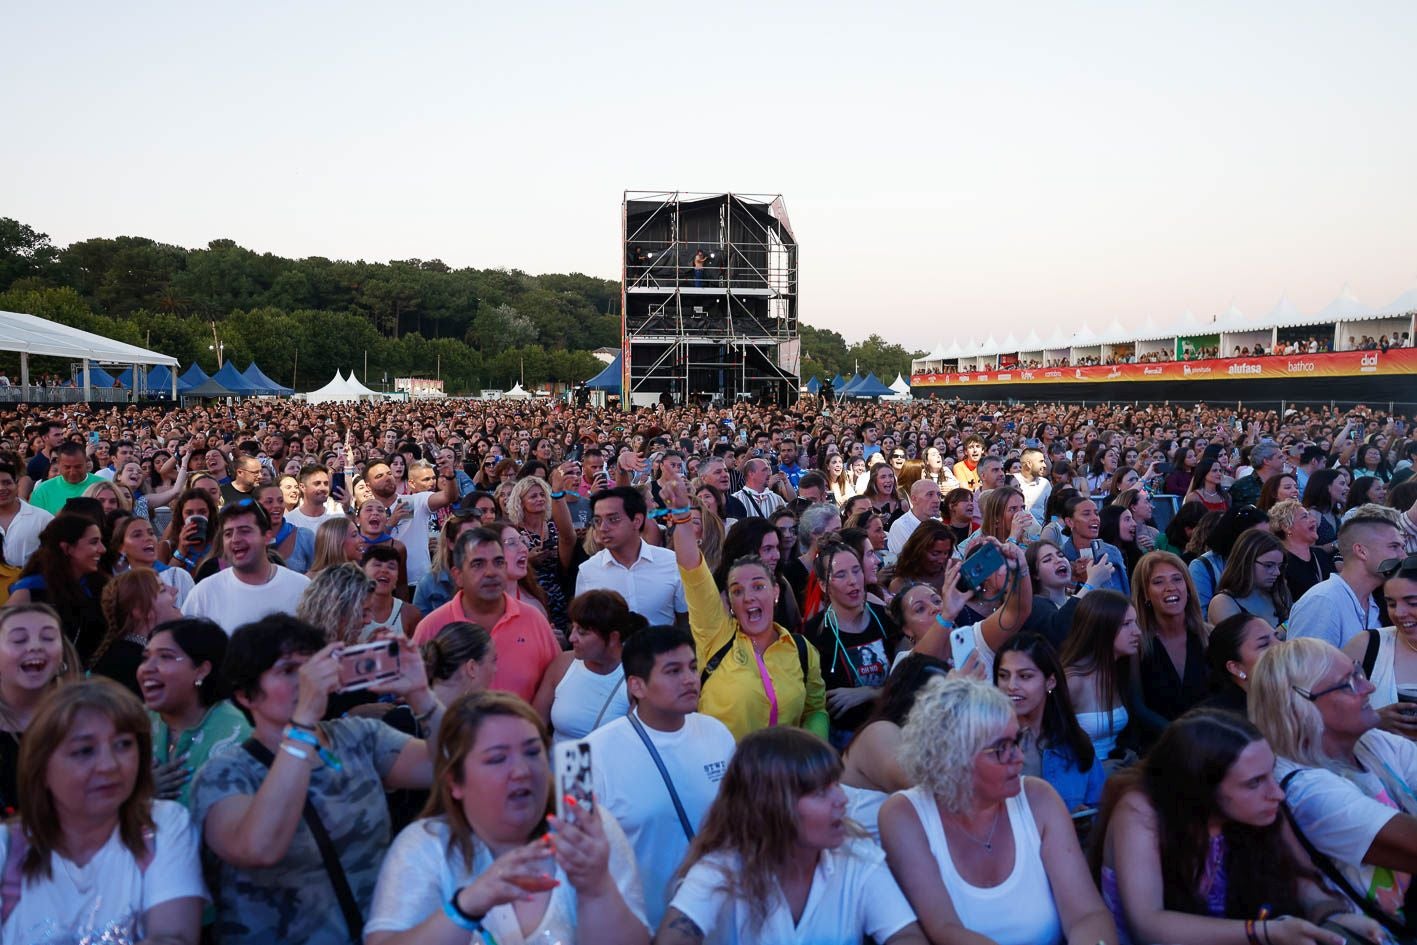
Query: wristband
947, 624
302, 726
461, 919
420, 719
681, 520
684, 511
1084, 586
294, 752
659, 513
558, 495
308, 738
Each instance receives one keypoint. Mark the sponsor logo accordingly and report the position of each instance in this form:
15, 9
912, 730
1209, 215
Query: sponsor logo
1116, 372
1078, 373
1026, 375
1052, 373
1300, 367
1189, 369
964, 378
1243, 368
1152, 370
1006, 377
1368, 363
983, 377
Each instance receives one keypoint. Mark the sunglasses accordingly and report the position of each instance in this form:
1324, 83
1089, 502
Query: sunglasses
1392, 566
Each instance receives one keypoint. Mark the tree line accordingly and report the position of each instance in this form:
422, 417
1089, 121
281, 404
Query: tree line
303, 319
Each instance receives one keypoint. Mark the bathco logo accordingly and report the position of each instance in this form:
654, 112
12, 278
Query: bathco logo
1188, 369
1300, 367
1368, 363
1243, 368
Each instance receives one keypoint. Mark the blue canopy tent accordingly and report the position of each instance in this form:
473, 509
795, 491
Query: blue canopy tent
231, 379
192, 377
256, 376
126, 379
160, 381
814, 385
869, 386
849, 387
98, 377
838, 382
607, 380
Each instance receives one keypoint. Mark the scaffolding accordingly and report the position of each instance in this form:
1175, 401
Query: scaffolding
709, 297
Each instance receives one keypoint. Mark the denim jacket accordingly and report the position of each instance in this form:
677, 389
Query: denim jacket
1077, 788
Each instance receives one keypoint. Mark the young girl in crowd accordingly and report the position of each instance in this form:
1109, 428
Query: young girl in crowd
1098, 658
35, 658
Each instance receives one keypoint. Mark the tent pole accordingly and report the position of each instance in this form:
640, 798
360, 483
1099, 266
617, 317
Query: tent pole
24, 369
88, 378
173, 370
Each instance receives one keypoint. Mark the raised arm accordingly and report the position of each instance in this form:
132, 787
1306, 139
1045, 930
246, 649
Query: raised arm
1003, 623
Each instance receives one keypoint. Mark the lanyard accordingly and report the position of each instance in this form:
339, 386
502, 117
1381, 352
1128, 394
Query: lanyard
767, 686
840, 648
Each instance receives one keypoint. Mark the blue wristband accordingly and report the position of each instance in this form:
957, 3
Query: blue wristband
558, 495
1084, 586
459, 918
308, 738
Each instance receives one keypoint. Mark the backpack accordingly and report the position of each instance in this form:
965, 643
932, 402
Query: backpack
12, 879
717, 658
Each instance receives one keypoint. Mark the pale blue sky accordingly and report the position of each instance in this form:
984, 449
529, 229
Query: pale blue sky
950, 168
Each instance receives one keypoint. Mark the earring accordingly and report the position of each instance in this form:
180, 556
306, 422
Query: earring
63, 667
1242, 675
199, 681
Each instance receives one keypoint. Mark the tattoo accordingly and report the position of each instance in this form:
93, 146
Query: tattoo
677, 921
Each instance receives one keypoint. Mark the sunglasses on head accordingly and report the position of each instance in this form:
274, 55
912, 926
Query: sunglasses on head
1394, 566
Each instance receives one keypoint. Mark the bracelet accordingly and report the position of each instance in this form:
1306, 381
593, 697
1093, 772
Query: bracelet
680, 519
308, 738
294, 752
659, 513
684, 511
461, 919
302, 726
1264, 927
947, 624
1250, 932
420, 719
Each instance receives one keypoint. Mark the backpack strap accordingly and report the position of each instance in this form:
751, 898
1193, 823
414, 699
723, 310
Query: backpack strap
717, 659
801, 642
1370, 654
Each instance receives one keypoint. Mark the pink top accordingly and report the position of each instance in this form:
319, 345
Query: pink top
525, 644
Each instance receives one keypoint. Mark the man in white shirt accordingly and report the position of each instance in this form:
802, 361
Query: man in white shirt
20, 522
1033, 483
757, 501
1340, 608
252, 587
662, 676
123, 453
314, 498
924, 504
410, 524
645, 575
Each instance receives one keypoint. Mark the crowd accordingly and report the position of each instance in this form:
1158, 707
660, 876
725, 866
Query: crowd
900, 672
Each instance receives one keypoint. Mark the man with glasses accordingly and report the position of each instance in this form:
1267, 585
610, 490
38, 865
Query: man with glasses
645, 575
1340, 608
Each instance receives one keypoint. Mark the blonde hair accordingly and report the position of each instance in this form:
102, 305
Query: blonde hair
98, 488
329, 543
953, 719
1292, 723
1282, 516
333, 602
513, 506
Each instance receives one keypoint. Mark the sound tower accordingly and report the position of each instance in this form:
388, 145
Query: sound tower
708, 298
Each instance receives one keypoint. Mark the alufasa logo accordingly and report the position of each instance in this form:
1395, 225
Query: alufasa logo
1243, 368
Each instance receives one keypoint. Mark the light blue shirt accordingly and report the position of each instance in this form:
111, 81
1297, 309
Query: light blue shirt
1330, 611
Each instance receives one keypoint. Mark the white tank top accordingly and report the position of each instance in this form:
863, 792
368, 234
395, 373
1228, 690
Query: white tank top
393, 623
1018, 911
584, 701
1103, 728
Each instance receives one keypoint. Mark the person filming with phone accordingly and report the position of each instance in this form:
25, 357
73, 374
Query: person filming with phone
1081, 545
296, 815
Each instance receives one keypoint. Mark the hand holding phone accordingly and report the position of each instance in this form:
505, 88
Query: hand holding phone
574, 781
368, 664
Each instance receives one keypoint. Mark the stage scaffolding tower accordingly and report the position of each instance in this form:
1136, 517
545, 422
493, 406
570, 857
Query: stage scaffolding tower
709, 298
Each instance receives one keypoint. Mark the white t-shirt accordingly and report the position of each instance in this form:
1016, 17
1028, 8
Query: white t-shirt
1341, 813
413, 532
231, 602
312, 522
853, 895
104, 900
180, 581
419, 875
629, 786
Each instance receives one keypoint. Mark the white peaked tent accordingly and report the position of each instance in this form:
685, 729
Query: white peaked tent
341, 388
1404, 304
1346, 306
1285, 313
901, 388
517, 393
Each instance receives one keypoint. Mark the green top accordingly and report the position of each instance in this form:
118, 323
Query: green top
51, 494
223, 728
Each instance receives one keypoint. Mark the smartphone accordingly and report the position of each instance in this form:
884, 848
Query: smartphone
201, 531
961, 645
337, 481
571, 765
574, 456
1165, 468
980, 565
368, 664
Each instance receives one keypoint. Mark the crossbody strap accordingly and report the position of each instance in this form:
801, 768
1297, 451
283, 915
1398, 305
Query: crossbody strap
608, 699
353, 918
1331, 870
663, 773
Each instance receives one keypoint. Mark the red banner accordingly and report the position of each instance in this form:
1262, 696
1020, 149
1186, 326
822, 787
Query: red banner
1397, 361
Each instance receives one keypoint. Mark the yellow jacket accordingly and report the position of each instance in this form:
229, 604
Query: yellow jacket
734, 694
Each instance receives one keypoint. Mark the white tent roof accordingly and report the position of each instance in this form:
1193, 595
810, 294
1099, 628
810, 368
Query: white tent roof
900, 385
1346, 306
1150, 331
1285, 313
1032, 342
358, 388
1404, 304
1114, 333
516, 393
954, 350
1084, 336
1010, 344
31, 334
341, 388
937, 355
1232, 320
1057, 340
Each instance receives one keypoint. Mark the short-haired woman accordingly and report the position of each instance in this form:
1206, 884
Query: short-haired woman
777, 860
480, 861
1305, 564
584, 687
97, 858
1348, 785
978, 849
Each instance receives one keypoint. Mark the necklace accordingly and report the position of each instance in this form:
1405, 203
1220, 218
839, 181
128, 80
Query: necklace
988, 842
1406, 642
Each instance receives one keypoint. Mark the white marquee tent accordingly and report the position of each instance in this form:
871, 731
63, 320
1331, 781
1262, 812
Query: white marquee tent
341, 388
30, 334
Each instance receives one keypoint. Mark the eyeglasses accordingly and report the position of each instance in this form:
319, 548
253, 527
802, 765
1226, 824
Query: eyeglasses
611, 520
1004, 749
1351, 682
1393, 565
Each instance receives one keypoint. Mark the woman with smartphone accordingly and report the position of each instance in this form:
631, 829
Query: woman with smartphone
481, 863
1389, 655
274, 884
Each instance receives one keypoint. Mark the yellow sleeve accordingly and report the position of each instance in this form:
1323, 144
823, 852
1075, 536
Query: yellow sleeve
814, 707
708, 622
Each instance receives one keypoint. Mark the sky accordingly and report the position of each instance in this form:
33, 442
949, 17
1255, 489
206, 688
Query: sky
950, 169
